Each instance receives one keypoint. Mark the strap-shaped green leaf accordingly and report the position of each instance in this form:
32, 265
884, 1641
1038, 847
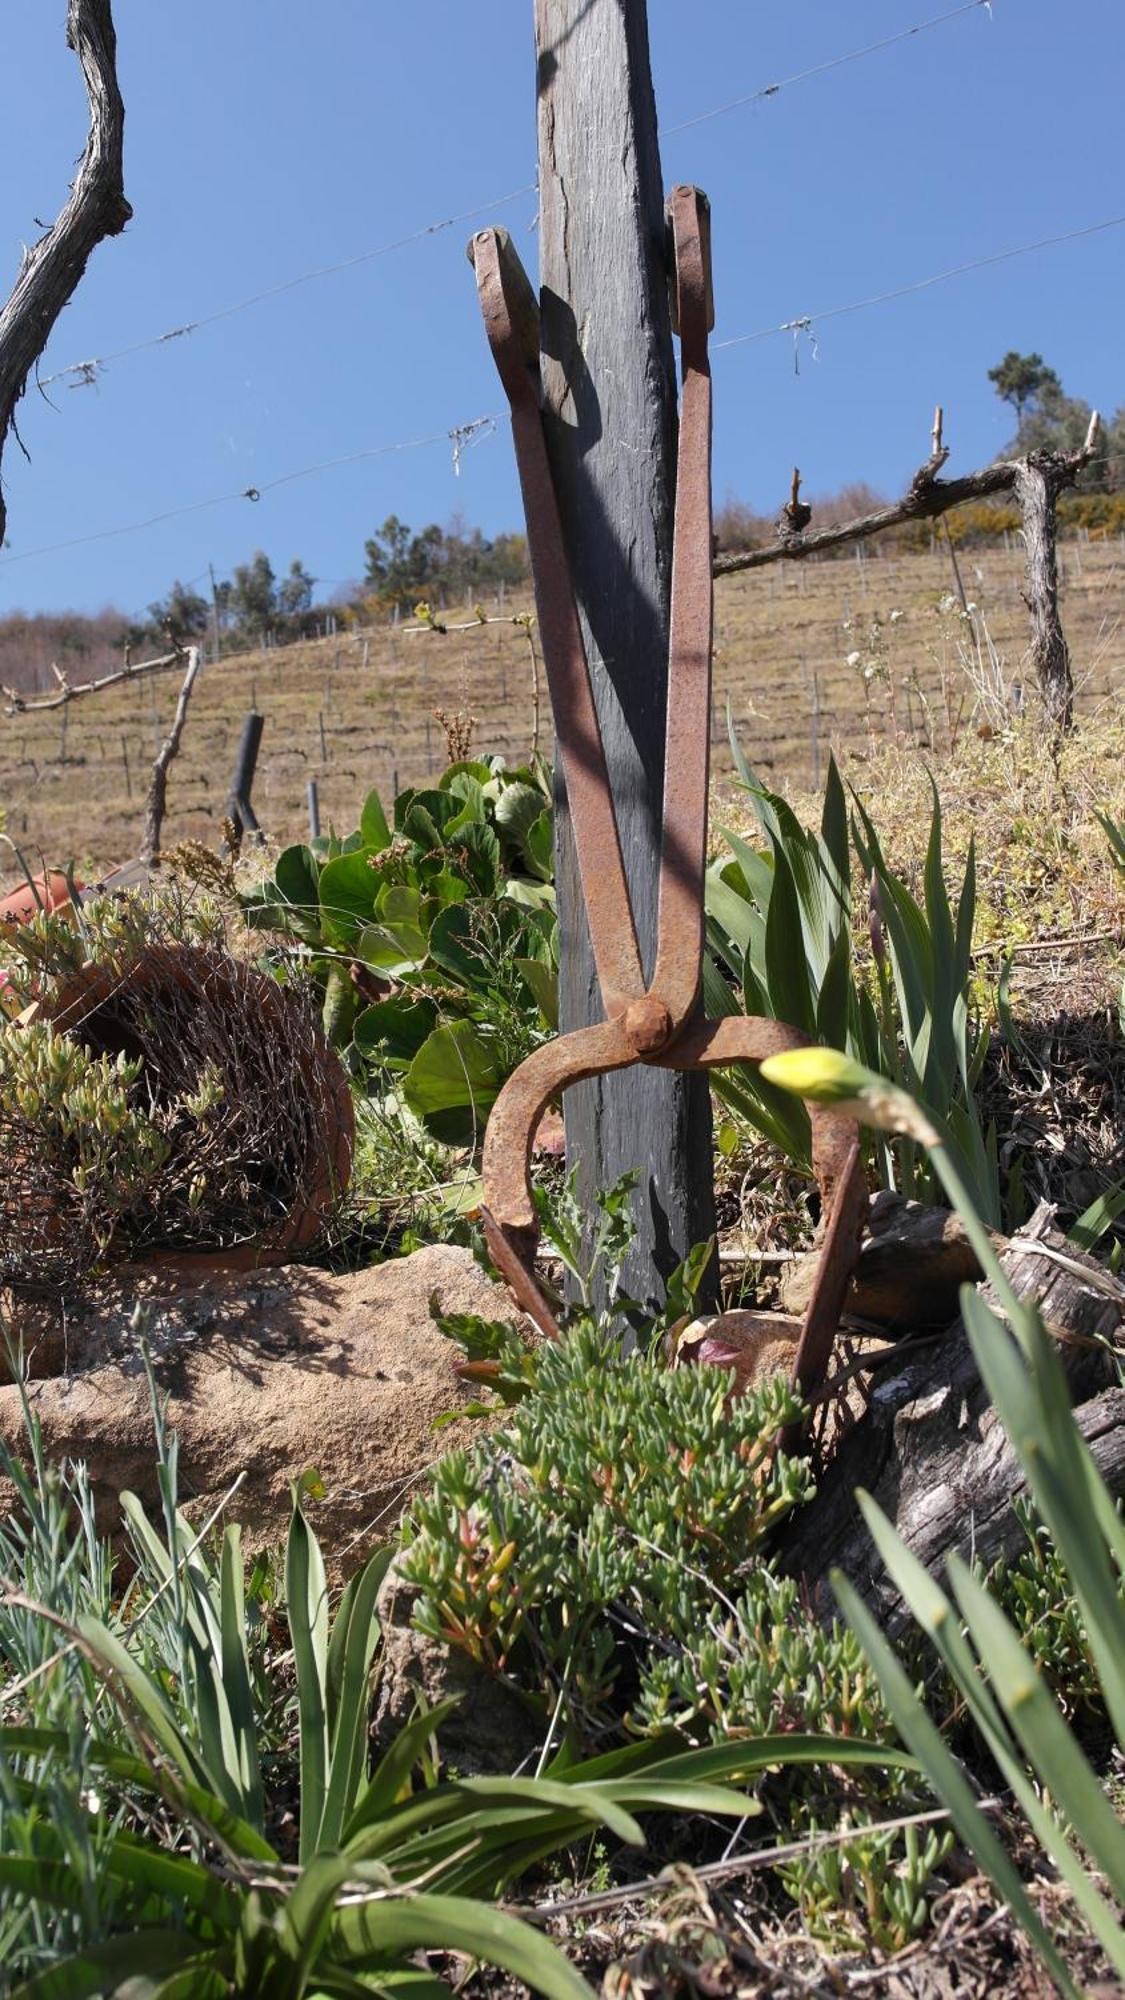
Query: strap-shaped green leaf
306, 1592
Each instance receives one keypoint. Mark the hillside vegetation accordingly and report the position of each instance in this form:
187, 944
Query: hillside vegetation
811, 656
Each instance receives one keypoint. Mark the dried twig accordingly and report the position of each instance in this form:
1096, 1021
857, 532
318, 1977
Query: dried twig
19, 704
739, 1864
97, 208
527, 622
158, 789
1027, 946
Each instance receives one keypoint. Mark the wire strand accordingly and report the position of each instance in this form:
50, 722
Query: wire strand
86, 372
459, 436
804, 322
835, 62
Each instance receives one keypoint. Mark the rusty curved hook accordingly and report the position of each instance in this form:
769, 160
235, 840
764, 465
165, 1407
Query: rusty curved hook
659, 1023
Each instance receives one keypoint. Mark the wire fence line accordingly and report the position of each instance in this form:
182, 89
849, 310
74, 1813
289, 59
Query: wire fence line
459, 439
461, 436
806, 322
85, 374
769, 90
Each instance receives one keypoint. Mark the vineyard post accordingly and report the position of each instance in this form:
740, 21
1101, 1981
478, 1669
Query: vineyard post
610, 417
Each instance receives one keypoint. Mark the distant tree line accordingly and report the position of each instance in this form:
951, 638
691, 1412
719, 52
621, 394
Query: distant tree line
252, 600
444, 566
1048, 419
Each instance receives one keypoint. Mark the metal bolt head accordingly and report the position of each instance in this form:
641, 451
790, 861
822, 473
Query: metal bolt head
648, 1024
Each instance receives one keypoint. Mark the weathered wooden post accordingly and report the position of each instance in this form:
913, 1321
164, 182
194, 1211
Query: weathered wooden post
610, 402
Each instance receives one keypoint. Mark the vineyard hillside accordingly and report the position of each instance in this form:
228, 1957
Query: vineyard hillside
811, 656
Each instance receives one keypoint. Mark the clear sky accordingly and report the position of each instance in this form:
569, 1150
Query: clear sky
263, 140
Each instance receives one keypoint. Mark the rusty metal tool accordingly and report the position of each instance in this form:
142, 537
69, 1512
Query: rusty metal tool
659, 1022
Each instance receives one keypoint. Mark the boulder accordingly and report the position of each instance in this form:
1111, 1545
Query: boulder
266, 1374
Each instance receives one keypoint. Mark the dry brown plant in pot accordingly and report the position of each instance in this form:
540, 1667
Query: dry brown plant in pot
235, 1118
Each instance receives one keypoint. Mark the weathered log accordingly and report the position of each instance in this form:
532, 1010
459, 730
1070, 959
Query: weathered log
1040, 477
912, 1264
932, 1450
610, 419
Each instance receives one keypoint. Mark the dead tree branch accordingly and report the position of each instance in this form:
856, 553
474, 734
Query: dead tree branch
19, 704
1036, 482
97, 208
926, 497
1040, 478
158, 790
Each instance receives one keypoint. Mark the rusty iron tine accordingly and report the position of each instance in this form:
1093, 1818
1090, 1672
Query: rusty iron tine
679, 952
662, 1025
511, 317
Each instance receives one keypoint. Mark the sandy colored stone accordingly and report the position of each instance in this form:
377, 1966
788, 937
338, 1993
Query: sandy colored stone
755, 1344
267, 1374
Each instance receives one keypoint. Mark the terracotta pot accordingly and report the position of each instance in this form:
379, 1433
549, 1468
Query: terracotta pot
49, 892
90, 1006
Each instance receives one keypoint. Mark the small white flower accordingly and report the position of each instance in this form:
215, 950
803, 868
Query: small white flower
853, 659
897, 617
92, 1801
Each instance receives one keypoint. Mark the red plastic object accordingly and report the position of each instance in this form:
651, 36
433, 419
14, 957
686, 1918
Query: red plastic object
48, 892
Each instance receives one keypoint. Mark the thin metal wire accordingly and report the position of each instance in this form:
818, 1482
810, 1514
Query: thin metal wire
835, 62
804, 322
87, 372
457, 436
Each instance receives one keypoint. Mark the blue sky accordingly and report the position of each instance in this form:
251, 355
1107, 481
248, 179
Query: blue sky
264, 140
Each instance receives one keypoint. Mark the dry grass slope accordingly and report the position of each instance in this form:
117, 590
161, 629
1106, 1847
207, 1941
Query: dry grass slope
73, 782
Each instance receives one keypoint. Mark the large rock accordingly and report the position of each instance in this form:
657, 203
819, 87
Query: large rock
266, 1374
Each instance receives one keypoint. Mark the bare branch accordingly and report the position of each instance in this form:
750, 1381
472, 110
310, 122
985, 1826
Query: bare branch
926, 498
158, 790
1036, 482
19, 704
97, 208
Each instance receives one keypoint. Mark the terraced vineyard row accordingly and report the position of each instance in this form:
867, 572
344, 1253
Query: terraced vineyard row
796, 656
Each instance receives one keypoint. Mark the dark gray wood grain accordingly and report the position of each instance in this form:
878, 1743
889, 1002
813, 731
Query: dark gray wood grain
932, 1449
611, 422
